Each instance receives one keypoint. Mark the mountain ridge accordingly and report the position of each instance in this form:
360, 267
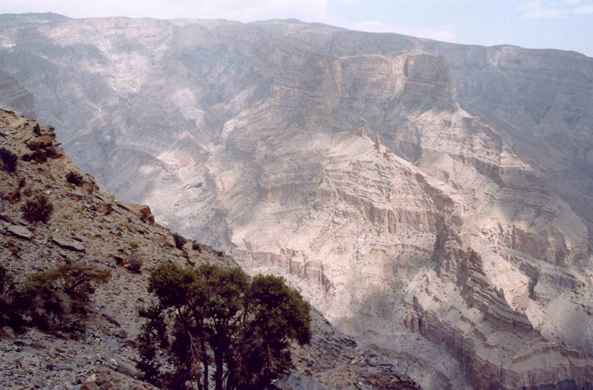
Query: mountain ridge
406, 186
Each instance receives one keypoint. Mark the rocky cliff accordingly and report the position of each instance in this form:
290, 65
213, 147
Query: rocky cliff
91, 226
432, 200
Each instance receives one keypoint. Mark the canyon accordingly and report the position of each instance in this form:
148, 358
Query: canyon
432, 200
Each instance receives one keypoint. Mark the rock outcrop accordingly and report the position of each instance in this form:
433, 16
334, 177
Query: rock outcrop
432, 200
92, 226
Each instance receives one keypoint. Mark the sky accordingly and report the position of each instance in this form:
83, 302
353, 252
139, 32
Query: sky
543, 24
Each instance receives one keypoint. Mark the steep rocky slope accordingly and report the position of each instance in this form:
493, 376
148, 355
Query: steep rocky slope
92, 226
432, 200
13, 96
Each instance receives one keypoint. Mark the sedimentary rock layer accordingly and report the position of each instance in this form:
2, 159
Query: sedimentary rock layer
432, 200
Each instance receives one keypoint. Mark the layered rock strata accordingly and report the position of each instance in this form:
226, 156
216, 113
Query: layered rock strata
431, 199
92, 226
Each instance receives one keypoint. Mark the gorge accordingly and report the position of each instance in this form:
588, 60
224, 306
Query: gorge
432, 200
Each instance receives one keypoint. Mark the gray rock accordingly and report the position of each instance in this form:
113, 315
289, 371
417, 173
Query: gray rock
122, 334
126, 367
110, 316
68, 244
297, 381
20, 232
36, 383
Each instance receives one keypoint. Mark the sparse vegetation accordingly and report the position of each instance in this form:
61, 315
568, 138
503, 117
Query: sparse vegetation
196, 246
75, 178
56, 299
39, 156
38, 209
133, 263
8, 317
180, 241
9, 159
222, 318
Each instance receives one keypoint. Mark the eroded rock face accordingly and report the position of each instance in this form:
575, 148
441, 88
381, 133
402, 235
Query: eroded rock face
14, 97
430, 199
91, 226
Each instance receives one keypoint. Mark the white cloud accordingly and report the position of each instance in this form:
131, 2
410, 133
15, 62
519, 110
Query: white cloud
536, 9
553, 9
584, 9
546, 13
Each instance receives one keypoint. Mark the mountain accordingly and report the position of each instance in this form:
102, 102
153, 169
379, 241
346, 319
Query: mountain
91, 226
432, 200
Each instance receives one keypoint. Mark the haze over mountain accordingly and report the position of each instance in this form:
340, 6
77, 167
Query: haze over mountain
432, 200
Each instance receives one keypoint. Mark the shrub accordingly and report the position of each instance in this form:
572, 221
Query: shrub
180, 241
38, 209
133, 263
40, 156
134, 245
9, 159
220, 319
8, 316
74, 178
59, 298
196, 246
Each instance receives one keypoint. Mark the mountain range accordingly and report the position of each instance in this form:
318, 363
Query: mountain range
432, 200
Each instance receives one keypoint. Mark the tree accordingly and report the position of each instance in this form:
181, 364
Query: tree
57, 297
8, 316
223, 318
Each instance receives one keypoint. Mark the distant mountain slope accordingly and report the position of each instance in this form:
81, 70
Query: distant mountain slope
14, 96
406, 186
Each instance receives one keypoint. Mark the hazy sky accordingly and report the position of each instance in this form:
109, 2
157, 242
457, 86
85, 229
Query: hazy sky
559, 24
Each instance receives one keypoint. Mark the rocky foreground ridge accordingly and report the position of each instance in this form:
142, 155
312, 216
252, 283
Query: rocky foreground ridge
432, 200
92, 226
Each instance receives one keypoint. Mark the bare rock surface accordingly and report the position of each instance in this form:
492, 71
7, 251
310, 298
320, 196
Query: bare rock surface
432, 200
92, 226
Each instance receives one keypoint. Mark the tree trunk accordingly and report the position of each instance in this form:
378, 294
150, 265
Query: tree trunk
219, 369
205, 363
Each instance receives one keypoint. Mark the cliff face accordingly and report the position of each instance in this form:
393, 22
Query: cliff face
91, 226
14, 96
409, 188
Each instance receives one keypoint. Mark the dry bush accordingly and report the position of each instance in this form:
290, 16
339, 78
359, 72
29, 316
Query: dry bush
9, 159
180, 241
38, 209
74, 178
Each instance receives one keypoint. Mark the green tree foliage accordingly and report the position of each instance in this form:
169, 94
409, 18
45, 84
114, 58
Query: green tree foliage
222, 318
9, 159
38, 209
58, 298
